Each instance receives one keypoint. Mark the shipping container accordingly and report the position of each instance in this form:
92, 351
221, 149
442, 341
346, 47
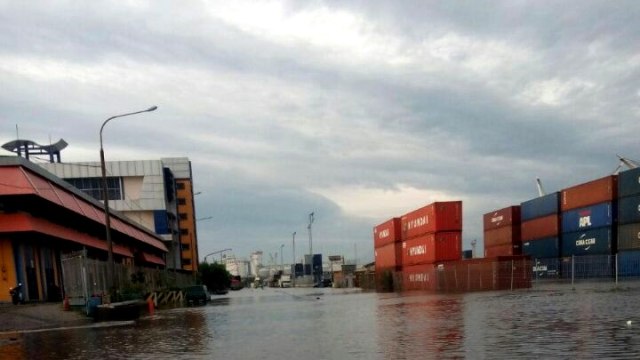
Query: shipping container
419, 277
594, 192
629, 237
502, 236
629, 263
497, 273
388, 256
629, 210
547, 268
629, 183
503, 250
540, 206
542, 248
387, 279
591, 217
386, 233
588, 267
591, 242
429, 248
435, 217
502, 217
538, 228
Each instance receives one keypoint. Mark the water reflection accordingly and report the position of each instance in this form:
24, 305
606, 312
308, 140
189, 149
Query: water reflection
335, 324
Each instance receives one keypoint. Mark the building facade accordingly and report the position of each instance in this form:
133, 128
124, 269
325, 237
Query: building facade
149, 193
43, 218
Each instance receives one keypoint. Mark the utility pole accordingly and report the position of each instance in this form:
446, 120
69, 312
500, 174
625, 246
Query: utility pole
294, 259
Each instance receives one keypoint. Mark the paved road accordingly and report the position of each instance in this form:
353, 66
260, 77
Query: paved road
39, 316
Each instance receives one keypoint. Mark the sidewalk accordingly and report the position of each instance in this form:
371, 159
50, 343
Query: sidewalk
39, 316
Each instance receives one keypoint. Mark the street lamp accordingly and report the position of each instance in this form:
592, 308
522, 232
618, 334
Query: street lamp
294, 258
311, 247
281, 259
216, 252
107, 218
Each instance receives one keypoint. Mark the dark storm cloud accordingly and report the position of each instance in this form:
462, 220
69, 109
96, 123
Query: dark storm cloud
472, 100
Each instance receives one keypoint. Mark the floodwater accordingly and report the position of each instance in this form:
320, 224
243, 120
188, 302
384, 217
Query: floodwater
556, 322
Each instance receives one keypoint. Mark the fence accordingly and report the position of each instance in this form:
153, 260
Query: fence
508, 274
84, 277
614, 268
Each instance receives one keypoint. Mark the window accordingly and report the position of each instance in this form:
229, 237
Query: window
182, 201
186, 247
184, 231
186, 261
183, 216
93, 187
180, 186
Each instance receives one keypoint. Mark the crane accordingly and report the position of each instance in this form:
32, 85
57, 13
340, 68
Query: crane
630, 164
541, 191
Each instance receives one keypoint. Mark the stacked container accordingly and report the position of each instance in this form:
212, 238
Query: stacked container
629, 223
588, 218
502, 232
540, 226
387, 246
430, 234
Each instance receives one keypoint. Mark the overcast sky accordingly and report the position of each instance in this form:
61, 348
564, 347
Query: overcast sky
356, 110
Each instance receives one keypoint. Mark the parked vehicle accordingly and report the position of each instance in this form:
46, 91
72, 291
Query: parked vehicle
285, 281
197, 294
16, 294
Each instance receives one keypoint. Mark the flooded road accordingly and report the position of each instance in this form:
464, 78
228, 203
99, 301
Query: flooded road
557, 322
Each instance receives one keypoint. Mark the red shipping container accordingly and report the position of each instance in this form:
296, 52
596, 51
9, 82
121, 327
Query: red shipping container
435, 217
503, 250
388, 256
502, 236
502, 217
419, 277
429, 248
386, 233
594, 192
539, 228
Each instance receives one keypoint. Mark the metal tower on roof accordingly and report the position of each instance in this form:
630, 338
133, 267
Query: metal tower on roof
28, 147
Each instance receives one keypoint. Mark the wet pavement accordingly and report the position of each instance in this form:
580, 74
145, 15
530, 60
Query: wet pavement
16, 318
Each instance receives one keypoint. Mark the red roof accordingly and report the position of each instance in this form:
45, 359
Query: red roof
22, 222
18, 180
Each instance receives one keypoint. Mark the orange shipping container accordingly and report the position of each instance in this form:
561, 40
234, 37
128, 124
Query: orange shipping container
435, 217
429, 248
503, 217
547, 226
502, 236
503, 250
419, 277
386, 233
388, 256
594, 192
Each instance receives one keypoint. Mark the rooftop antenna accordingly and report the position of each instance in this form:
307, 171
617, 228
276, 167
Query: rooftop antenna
541, 191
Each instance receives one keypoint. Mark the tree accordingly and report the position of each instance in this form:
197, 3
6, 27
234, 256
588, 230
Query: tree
214, 276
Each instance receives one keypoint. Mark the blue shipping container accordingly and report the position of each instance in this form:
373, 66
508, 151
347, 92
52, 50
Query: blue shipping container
542, 248
541, 206
629, 209
629, 236
591, 217
629, 263
590, 242
629, 183
588, 267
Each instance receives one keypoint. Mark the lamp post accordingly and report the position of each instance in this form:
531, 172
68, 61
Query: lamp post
216, 252
294, 258
311, 247
107, 217
281, 259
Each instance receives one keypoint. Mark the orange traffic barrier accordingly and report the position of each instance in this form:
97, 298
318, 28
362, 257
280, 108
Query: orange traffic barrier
150, 305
